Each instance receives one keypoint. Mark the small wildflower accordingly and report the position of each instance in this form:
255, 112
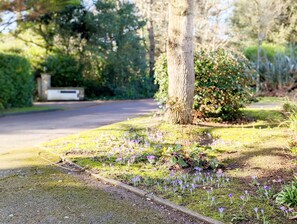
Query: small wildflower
266, 187
197, 169
135, 179
119, 159
257, 214
283, 208
221, 210
242, 197
151, 159
230, 197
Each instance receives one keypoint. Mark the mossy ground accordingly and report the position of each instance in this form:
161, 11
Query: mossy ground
32, 191
256, 148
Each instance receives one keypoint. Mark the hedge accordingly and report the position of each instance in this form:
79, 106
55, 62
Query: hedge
16, 81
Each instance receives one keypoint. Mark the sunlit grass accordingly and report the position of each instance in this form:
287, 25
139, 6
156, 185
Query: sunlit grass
255, 148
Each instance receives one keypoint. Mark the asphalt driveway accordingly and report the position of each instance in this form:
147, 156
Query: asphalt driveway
31, 129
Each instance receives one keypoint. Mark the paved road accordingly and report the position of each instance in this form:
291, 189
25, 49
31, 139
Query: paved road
32, 191
32, 129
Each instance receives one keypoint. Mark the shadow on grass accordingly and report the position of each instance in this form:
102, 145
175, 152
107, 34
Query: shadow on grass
42, 194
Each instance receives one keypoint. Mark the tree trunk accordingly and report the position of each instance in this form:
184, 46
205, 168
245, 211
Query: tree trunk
150, 29
180, 62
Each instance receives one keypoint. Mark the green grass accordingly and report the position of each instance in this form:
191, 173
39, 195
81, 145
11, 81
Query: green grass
255, 148
27, 109
267, 99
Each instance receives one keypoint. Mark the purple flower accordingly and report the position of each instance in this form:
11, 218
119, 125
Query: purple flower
198, 169
242, 197
266, 187
151, 159
221, 210
256, 209
283, 208
119, 159
180, 182
135, 179
230, 195
193, 186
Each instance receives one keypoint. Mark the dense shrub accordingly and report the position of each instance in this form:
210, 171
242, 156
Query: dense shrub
64, 69
222, 83
16, 82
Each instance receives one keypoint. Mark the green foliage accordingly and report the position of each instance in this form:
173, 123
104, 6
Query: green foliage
291, 109
222, 83
65, 70
112, 60
161, 79
268, 50
278, 65
188, 157
288, 196
279, 72
15, 81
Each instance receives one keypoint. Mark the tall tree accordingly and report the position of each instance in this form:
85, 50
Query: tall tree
180, 61
256, 18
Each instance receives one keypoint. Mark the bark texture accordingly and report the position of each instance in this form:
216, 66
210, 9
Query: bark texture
180, 61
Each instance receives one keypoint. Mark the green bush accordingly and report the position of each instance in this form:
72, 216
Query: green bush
65, 70
222, 83
268, 50
16, 81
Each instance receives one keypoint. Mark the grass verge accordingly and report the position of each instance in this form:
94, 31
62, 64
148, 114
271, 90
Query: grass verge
227, 172
27, 109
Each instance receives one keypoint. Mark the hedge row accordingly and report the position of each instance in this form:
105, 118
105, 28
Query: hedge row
16, 81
